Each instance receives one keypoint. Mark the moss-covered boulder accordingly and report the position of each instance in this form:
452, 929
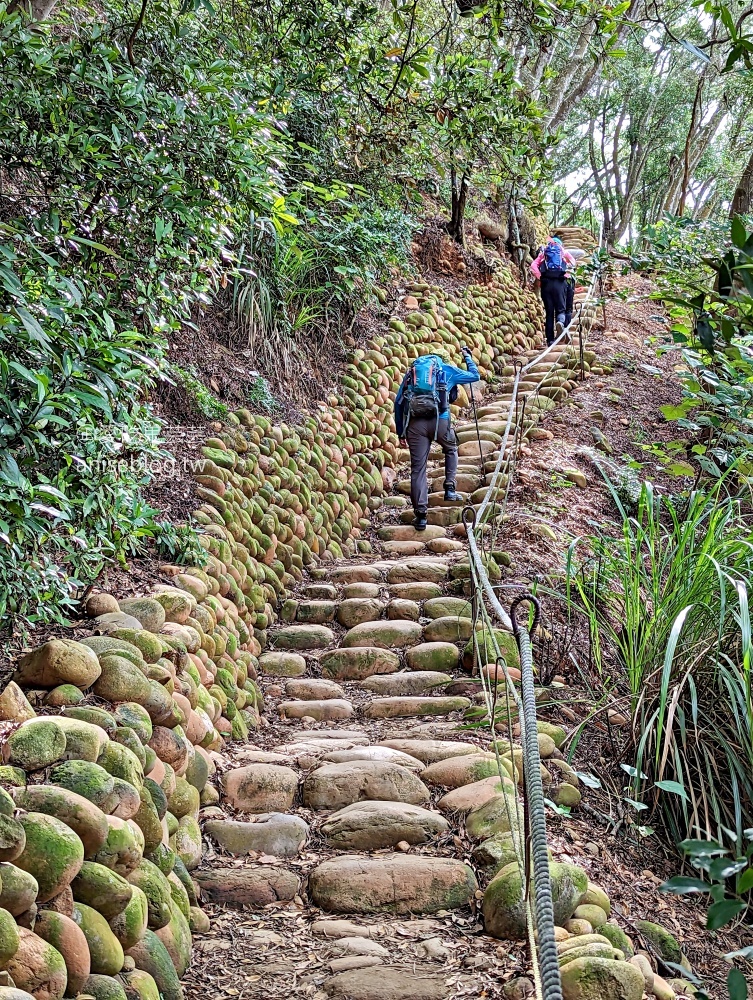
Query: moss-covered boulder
185, 799
104, 988
83, 741
121, 680
128, 738
19, 889
37, 744
88, 780
37, 967
156, 888
130, 925
661, 940
135, 717
82, 816
139, 985
53, 854
64, 934
497, 815
91, 714
124, 847
105, 949
120, 762
12, 838
176, 937
9, 939
59, 661
150, 955
64, 694
557, 733
614, 934
187, 842
102, 889
504, 903
147, 610
593, 978
150, 645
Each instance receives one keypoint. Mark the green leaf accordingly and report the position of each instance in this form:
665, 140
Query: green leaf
702, 848
722, 868
736, 985
723, 913
681, 885
672, 786
745, 882
738, 233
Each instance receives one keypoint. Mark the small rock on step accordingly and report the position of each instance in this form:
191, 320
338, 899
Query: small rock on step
320, 592
389, 984
442, 546
323, 711
351, 590
374, 826
410, 682
428, 750
333, 786
261, 788
400, 609
403, 548
418, 571
315, 612
440, 607
355, 574
277, 834
433, 656
282, 664
374, 753
450, 628
398, 708
464, 770
576, 476
384, 634
312, 689
398, 884
356, 610
255, 886
295, 637
407, 533
358, 662
468, 797
415, 591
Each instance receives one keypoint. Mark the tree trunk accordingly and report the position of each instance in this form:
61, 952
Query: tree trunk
742, 199
36, 10
456, 225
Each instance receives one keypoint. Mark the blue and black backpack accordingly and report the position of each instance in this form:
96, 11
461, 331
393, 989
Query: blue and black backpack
425, 388
554, 260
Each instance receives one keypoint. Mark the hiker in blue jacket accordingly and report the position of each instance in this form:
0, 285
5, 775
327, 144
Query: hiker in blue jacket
422, 416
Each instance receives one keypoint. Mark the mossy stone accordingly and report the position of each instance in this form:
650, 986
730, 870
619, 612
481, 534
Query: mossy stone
12, 838
593, 950
37, 744
156, 888
497, 815
198, 921
135, 717
163, 857
83, 741
172, 824
150, 955
102, 889
89, 713
121, 680
147, 610
139, 985
128, 738
150, 645
37, 968
130, 925
593, 978
508, 648
616, 936
598, 897
592, 913
150, 759
13, 776
179, 894
66, 936
9, 939
148, 822
101, 987
197, 772
53, 854
127, 799
108, 644
64, 694
105, 949
7, 805
176, 937
121, 762
557, 733
188, 842
185, 799
504, 905
158, 797
86, 779
188, 883
87, 821
664, 943
19, 889
496, 852
124, 847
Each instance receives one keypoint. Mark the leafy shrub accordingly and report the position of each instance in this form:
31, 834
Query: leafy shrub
668, 598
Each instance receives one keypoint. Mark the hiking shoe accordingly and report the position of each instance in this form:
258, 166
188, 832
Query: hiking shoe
419, 521
559, 328
451, 493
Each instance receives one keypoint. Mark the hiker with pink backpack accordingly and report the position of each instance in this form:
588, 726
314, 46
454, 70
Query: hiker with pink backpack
422, 416
555, 268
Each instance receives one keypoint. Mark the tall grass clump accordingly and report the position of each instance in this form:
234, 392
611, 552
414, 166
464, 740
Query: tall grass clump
667, 604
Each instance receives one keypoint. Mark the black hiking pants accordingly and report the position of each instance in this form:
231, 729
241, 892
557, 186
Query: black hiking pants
569, 299
420, 437
554, 297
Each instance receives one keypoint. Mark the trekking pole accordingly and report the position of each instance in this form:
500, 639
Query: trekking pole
478, 436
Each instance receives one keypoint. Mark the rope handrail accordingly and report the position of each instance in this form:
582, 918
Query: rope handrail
543, 945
